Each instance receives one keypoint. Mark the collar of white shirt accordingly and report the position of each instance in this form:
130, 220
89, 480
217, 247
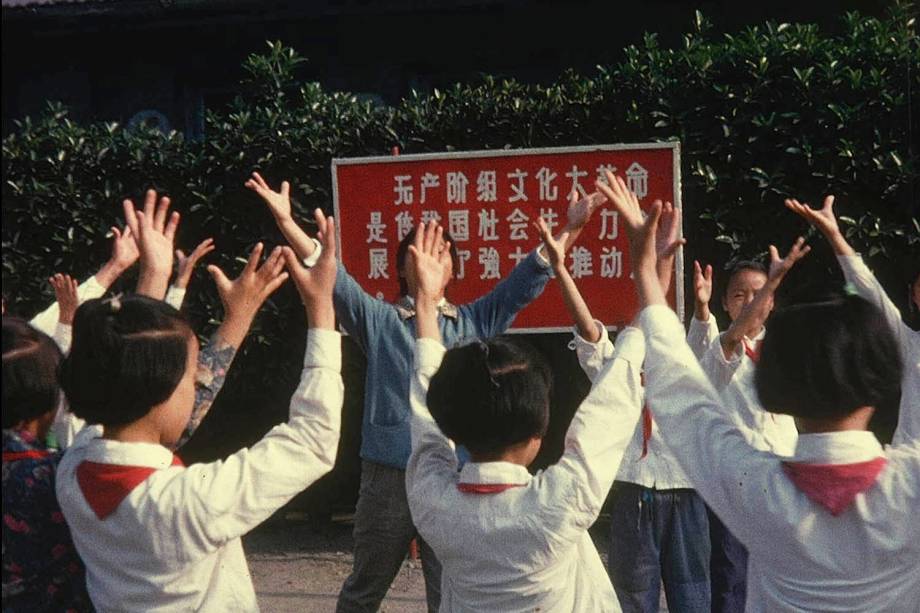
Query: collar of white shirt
150, 455
847, 447
494, 473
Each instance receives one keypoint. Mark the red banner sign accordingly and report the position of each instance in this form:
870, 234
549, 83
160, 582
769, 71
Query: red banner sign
487, 201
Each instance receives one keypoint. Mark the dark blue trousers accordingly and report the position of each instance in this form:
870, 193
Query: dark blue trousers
728, 568
658, 536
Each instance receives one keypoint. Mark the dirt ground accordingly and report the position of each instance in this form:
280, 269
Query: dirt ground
296, 567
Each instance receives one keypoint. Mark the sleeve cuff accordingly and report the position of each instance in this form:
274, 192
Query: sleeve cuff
90, 289
540, 259
582, 343
324, 349
310, 262
428, 354
630, 345
175, 296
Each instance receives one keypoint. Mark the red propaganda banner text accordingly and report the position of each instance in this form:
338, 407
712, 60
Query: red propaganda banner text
487, 201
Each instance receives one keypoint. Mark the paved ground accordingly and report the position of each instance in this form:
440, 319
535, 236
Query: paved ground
298, 568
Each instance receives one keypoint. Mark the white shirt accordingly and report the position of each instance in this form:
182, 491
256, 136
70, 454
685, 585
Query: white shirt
701, 334
526, 548
857, 273
658, 469
802, 558
173, 544
734, 379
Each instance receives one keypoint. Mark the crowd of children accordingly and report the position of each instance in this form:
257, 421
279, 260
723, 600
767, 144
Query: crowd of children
737, 466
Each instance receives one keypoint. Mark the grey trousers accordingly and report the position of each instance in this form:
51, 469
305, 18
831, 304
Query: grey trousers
383, 530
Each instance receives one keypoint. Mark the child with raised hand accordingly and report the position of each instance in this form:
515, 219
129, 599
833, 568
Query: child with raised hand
509, 540
66, 294
157, 536
124, 255
380, 547
865, 284
175, 295
41, 569
658, 524
831, 528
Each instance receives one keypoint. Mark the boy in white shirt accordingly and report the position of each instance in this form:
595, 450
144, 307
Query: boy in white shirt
831, 528
508, 540
155, 535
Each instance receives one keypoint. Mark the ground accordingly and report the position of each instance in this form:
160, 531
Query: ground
296, 567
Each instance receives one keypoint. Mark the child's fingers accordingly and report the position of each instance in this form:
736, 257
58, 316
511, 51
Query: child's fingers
774, 253
829, 202
709, 273
220, 279
329, 238
259, 181
276, 282
162, 210
150, 199
253, 262
130, 215
285, 189
172, 226
291, 262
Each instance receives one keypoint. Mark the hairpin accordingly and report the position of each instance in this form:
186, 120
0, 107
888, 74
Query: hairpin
114, 303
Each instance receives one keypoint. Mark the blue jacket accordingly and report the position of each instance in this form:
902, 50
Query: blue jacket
388, 339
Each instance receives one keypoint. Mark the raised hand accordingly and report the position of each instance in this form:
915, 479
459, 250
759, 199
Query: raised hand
124, 247
702, 290
315, 284
187, 262
825, 221
641, 232
555, 250
430, 257
667, 241
65, 291
279, 203
154, 230
580, 211
780, 266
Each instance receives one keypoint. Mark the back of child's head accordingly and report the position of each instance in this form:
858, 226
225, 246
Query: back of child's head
490, 395
127, 356
825, 359
30, 372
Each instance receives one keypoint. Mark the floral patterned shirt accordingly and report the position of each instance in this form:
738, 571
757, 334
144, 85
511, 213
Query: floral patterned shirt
41, 568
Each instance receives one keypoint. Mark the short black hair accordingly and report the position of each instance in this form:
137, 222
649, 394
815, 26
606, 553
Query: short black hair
402, 251
30, 372
734, 268
825, 359
128, 355
490, 395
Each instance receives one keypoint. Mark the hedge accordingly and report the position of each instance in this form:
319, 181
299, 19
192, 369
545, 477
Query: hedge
770, 111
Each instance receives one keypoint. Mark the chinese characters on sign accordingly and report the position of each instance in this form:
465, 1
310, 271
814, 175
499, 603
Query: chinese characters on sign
487, 203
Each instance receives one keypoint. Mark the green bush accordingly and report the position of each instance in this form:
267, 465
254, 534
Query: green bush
776, 110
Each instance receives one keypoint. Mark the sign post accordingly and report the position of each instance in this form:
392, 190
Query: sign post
487, 201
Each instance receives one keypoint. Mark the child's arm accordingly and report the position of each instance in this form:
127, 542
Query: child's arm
124, 254
279, 204
703, 327
494, 312
65, 291
155, 230
433, 461
729, 474
219, 501
867, 286
242, 298
854, 269
755, 314
175, 295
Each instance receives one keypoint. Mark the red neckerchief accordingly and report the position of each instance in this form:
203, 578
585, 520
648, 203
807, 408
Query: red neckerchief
753, 352
104, 486
834, 486
486, 488
647, 421
28, 454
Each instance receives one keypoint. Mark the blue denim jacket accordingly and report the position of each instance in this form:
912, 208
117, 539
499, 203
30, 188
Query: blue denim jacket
388, 340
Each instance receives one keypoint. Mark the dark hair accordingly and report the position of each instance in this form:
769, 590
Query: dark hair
30, 372
826, 359
128, 355
741, 265
402, 251
492, 394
